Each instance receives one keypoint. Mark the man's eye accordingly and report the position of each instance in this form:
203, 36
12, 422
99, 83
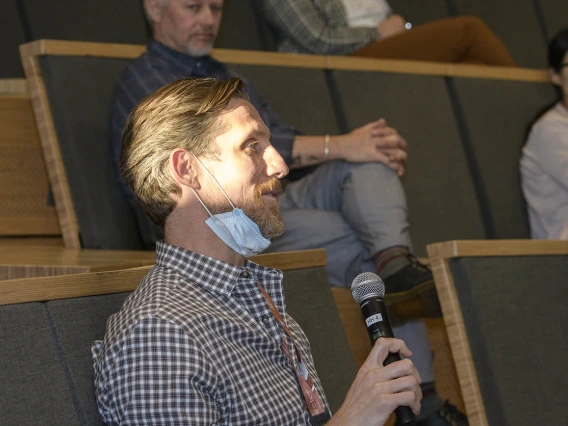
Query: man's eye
252, 146
193, 7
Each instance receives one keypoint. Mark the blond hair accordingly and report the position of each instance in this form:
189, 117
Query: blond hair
183, 114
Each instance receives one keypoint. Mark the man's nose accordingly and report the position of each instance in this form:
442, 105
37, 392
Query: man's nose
275, 164
207, 16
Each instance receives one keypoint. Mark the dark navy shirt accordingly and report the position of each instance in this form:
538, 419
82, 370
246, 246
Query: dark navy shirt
160, 65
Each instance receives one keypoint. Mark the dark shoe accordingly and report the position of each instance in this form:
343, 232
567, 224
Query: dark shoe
448, 415
412, 286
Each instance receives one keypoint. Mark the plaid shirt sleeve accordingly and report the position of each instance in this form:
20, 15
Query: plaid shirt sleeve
159, 376
307, 28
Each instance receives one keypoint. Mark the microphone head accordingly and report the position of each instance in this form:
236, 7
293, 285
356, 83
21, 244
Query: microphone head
367, 285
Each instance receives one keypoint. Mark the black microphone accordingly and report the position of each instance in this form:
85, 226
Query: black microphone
368, 291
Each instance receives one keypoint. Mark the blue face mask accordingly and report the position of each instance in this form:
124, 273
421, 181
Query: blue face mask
235, 228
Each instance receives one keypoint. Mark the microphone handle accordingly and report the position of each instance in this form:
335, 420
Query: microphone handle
378, 325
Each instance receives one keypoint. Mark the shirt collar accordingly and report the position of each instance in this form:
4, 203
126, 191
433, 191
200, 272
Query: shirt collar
205, 65
213, 274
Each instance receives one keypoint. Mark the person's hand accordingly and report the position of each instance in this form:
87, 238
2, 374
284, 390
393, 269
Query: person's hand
375, 141
377, 390
394, 24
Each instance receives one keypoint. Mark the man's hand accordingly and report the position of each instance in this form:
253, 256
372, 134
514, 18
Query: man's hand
393, 25
377, 390
375, 141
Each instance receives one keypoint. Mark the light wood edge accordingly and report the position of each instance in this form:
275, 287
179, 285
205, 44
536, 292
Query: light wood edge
13, 86
67, 286
436, 69
476, 248
248, 57
50, 146
112, 280
459, 343
292, 259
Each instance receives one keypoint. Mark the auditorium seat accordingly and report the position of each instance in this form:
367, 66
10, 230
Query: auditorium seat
439, 190
243, 27
495, 117
103, 21
298, 95
75, 314
554, 15
418, 12
92, 210
11, 36
515, 22
34, 386
504, 307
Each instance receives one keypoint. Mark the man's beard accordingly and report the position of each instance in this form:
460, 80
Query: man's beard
199, 51
266, 216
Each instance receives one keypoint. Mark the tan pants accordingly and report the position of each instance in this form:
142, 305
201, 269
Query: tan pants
464, 39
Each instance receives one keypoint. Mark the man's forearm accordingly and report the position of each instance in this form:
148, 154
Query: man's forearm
311, 150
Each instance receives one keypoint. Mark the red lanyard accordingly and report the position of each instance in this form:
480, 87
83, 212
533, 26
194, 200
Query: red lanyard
309, 391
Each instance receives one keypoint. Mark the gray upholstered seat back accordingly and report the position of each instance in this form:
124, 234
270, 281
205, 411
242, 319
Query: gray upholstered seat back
420, 11
515, 22
79, 91
310, 302
515, 316
497, 115
440, 194
554, 15
242, 27
77, 323
298, 95
102, 20
11, 36
33, 388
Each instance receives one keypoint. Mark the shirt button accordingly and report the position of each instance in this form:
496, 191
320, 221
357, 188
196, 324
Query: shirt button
245, 274
265, 319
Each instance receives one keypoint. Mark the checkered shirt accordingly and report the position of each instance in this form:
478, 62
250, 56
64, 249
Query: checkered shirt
315, 26
196, 344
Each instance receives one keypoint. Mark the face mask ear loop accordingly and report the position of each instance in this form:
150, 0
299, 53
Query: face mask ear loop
199, 198
217, 183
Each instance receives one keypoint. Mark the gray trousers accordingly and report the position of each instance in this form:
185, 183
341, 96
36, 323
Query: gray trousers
353, 211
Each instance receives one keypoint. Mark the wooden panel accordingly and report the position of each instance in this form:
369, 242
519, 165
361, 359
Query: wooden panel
31, 241
65, 286
50, 144
459, 343
13, 86
23, 178
247, 57
450, 249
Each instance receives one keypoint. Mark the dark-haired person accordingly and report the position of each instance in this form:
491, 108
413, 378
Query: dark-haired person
369, 28
544, 164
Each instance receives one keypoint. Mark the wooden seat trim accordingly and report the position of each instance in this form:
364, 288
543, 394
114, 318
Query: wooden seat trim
250, 57
440, 254
106, 282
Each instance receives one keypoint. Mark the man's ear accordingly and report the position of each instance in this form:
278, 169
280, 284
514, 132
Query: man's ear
183, 168
554, 77
154, 10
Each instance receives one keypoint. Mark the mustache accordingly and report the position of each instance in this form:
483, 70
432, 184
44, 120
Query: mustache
273, 185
